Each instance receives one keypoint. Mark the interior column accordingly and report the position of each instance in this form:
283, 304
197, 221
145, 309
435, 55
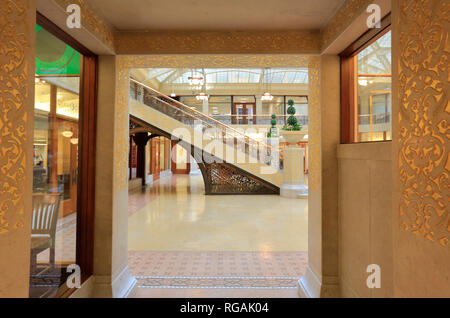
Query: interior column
141, 140
111, 276
322, 274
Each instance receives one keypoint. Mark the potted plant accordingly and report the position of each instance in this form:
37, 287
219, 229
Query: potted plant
273, 131
292, 131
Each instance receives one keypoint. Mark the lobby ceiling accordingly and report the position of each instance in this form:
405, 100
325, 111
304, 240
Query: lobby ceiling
208, 15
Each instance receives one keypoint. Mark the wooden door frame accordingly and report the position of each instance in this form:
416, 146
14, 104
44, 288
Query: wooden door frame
173, 157
254, 112
233, 112
349, 80
86, 151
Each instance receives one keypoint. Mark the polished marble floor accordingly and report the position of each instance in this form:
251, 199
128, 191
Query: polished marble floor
185, 244
177, 216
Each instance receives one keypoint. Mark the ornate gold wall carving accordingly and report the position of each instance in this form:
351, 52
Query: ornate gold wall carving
92, 21
220, 42
343, 18
121, 126
314, 126
14, 93
127, 62
424, 118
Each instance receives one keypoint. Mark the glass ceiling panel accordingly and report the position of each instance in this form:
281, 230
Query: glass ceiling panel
155, 72
232, 76
376, 58
286, 76
162, 77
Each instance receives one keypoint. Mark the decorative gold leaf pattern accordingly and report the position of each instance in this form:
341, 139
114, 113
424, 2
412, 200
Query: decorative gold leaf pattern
208, 42
314, 127
424, 118
14, 92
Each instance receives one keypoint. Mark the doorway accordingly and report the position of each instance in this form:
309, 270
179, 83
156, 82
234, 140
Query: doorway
244, 113
63, 161
182, 242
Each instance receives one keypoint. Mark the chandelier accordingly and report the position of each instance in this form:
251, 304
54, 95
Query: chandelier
202, 96
196, 80
267, 76
267, 97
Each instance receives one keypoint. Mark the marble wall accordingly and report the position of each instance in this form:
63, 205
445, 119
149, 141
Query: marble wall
365, 218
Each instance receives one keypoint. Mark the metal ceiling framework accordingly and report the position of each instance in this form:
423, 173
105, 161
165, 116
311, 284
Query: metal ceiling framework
176, 76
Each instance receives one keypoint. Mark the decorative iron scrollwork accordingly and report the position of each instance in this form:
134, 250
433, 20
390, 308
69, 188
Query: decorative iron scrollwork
224, 178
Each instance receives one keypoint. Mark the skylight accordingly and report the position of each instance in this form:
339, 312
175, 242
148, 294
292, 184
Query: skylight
232, 75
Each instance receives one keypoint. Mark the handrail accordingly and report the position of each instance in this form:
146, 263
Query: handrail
201, 114
251, 115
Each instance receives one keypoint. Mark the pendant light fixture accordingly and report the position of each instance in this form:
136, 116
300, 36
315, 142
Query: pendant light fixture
267, 96
195, 80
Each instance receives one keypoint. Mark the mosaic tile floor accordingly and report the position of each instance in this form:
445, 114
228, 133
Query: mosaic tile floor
247, 270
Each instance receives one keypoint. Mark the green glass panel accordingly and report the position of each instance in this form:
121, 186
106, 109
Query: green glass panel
54, 57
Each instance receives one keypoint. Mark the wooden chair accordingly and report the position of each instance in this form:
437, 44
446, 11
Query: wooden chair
43, 226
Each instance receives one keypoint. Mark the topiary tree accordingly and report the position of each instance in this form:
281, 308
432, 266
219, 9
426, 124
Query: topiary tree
292, 122
273, 122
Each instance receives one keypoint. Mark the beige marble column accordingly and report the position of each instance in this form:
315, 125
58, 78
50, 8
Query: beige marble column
111, 275
17, 52
259, 109
322, 275
293, 173
205, 107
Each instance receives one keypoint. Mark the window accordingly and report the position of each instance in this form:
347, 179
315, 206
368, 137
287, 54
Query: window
220, 108
192, 102
220, 105
64, 123
366, 88
275, 106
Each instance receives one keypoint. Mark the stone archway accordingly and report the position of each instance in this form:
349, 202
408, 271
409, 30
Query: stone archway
322, 269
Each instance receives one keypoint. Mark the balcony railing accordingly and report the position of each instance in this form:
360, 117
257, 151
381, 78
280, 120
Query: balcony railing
193, 118
257, 119
367, 119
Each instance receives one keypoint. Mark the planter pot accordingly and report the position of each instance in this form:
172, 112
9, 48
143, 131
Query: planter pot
293, 175
292, 137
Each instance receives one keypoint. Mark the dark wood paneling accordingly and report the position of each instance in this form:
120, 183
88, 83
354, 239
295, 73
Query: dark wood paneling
86, 184
348, 92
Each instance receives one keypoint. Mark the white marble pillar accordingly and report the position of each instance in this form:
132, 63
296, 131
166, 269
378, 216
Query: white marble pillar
205, 107
259, 110
293, 173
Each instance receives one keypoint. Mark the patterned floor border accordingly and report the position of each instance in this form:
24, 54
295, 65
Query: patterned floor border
238, 282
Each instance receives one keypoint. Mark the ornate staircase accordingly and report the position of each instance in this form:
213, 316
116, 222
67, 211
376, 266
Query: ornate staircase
230, 161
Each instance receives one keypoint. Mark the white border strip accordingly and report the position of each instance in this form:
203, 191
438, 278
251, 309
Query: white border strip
214, 287
215, 277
